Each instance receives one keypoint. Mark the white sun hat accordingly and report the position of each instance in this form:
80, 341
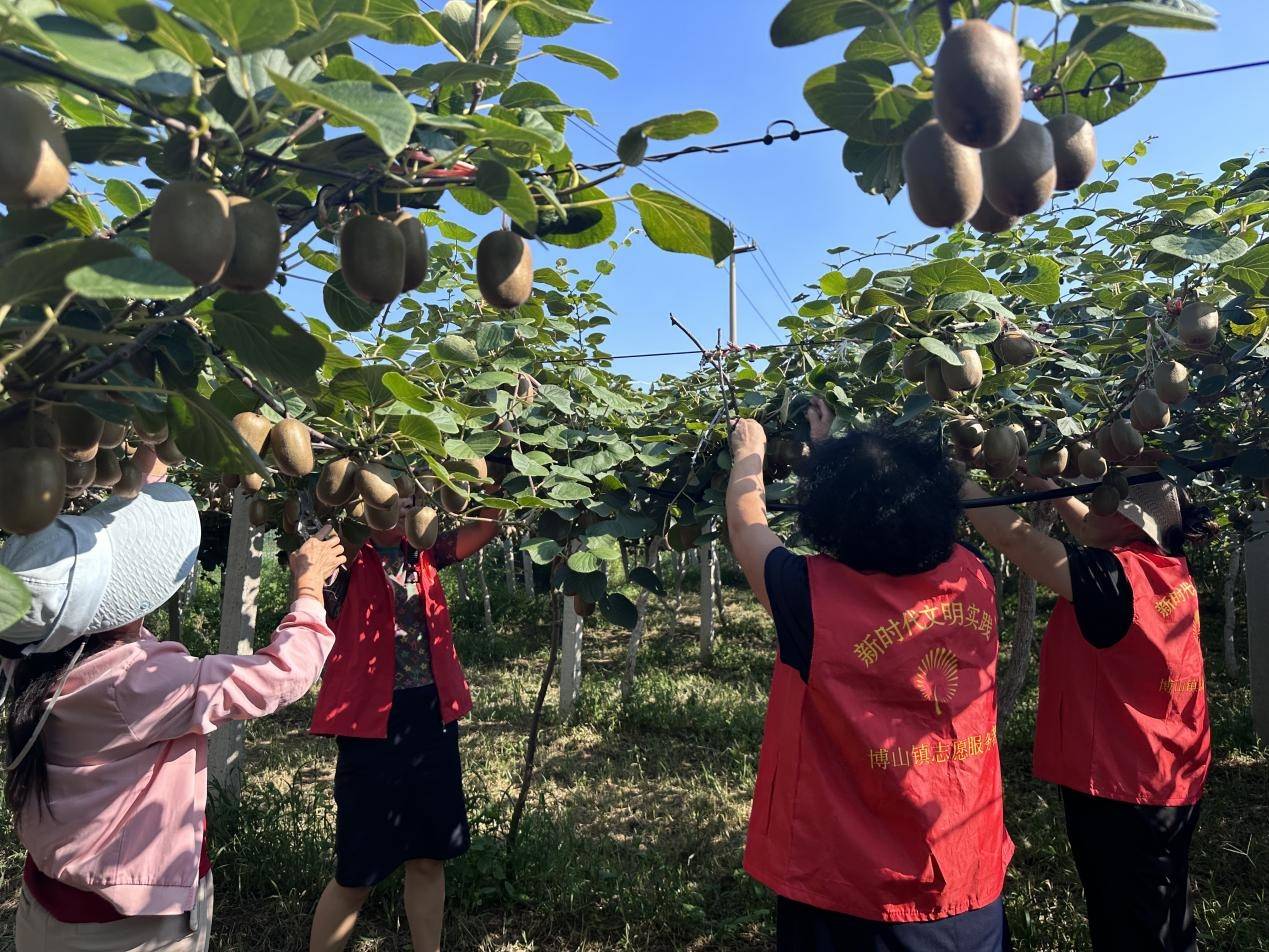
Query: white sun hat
103, 569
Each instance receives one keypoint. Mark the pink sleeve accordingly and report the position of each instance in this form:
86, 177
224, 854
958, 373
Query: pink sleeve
170, 693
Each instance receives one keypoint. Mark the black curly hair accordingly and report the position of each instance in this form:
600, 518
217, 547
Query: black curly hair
883, 499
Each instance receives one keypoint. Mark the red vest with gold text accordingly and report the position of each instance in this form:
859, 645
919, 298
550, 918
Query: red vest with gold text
1129, 722
356, 694
879, 790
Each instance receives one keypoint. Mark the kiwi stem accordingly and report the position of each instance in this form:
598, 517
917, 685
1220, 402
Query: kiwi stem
492, 32
945, 15
453, 50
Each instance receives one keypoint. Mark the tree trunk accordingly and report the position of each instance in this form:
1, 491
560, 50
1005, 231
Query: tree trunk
461, 569
571, 664
509, 550
531, 746
1231, 604
484, 588
636, 636
625, 559
1013, 681
527, 562
1257, 581
706, 557
680, 569
718, 586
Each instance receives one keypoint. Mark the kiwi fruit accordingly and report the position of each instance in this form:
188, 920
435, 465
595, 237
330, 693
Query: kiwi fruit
112, 435
1020, 435
1172, 382
1019, 176
1014, 348
427, 482
1092, 464
31, 427
989, 221
504, 269
526, 392
1105, 443
258, 512
1120, 482
81, 431
1000, 446
422, 527
130, 481
34, 481
913, 365
254, 430
34, 154
415, 239
1126, 439
169, 453
1198, 325
965, 377
376, 485
405, 484
149, 429
1104, 500
452, 501
337, 482
80, 475
384, 520
252, 483
476, 469
291, 509
292, 447
966, 432
1149, 412
357, 511
353, 535
935, 384
583, 608
977, 89
372, 257
507, 433
1072, 469
106, 471
945, 179
1074, 150
192, 231
257, 245
1052, 462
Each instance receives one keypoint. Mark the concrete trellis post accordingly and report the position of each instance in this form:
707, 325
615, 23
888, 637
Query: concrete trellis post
570, 657
527, 562
237, 631
1257, 572
509, 550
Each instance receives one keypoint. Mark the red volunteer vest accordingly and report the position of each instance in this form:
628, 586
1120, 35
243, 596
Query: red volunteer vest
1129, 722
356, 694
879, 791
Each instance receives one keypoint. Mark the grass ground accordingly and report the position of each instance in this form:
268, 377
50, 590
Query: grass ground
635, 826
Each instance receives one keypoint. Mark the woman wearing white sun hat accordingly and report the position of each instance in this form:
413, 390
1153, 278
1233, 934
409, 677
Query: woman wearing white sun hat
107, 727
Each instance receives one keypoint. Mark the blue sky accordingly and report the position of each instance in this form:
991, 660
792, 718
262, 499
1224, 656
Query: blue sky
795, 199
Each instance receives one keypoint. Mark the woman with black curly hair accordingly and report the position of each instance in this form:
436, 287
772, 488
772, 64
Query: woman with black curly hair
878, 817
1122, 725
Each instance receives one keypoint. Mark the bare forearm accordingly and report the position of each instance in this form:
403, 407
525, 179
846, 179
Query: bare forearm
1037, 553
476, 535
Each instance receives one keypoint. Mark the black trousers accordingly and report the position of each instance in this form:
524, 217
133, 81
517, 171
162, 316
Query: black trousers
1134, 862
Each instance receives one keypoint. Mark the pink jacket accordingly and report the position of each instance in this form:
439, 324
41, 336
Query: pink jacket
127, 758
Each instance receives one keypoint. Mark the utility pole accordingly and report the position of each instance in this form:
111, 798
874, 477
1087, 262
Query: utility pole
731, 267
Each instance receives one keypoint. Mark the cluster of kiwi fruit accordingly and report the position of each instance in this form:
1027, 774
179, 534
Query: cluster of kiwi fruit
942, 379
34, 155
209, 236
978, 159
56, 453
382, 257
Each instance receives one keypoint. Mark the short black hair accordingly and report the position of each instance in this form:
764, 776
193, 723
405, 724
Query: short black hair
882, 499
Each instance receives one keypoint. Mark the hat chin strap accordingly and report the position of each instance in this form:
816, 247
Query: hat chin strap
48, 708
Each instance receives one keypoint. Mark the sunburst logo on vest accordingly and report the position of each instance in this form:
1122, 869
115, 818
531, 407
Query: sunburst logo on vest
937, 676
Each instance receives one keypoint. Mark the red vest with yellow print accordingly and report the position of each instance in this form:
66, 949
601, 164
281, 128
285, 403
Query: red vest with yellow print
878, 791
356, 694
1129, 722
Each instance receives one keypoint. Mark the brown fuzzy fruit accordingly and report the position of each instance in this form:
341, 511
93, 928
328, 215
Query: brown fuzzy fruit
192, 231
79, 476
1198, 325
292, 447
1052, 462
977, 89
112, 435
81, 431
452, 501
252, 483
169, 453
1092, 464
1019, 176
1149, 412
945, 179
258, 512
149, 429
1105, 442
337, 482
254, 430
1000, 446
968, 375
106, 472
372, 258
504, 269
257, 245
1014, 348
376, 484
1172, 382
989, 221
1104, 500
915, 359
34, 154
422, 527
967, 432
935, 384
384, 520
1020, 435
30, 427
291, 509
34, 488
130, 481
415, 239
1074, 149
1127, 440
526, 392
583, 608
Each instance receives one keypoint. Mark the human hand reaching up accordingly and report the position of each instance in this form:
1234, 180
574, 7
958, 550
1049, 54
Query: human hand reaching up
820, 416
316, 561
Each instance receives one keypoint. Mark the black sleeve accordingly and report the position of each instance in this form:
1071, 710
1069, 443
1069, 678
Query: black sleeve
789, 591
1102, 595
333, 594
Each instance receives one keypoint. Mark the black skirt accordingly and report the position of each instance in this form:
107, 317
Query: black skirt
399, 798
